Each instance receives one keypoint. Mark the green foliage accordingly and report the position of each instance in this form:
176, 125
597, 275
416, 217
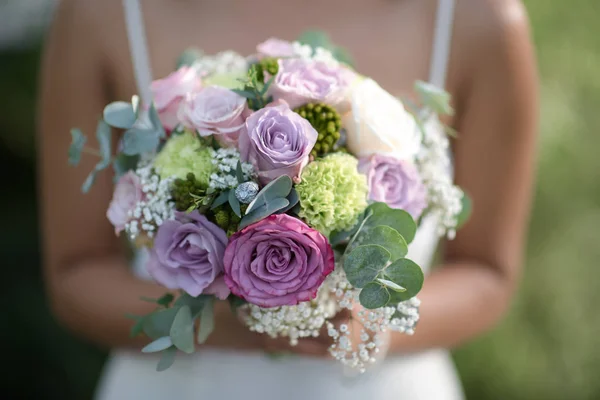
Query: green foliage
316, 38
374, 296
207, 321
167, 359
191, 194
234, 203
78, 140
123, 163
255, 89
276, 196
374, 257
103, 135
434, 98
119, 114
159, 344
465, 213
182, 330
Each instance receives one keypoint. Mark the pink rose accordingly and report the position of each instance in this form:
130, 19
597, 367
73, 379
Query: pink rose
277, 261
274, 47
394, 182
128, 192
300, 81
169, 92
217, 111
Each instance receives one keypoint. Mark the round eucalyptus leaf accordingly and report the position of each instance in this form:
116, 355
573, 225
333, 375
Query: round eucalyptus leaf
78, 140
400, 220
159, 344
119, 114
263, 212
138, 141
182, 330
406, 274
388, 238
167, 359
374, 296
158, 324
277, 188
364, 263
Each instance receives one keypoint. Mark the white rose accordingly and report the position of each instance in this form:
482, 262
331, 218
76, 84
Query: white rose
379, 124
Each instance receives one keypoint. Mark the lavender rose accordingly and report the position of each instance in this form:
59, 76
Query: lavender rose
277, 141
300, 81
128, 192
395, 182
274, 47
277, 261
188, 254
217, 111
168, 94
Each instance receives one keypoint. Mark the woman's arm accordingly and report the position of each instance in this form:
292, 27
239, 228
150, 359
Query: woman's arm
494, 160
88, 278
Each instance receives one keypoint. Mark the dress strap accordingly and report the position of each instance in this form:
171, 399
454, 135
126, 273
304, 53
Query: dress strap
442, 41
138, 48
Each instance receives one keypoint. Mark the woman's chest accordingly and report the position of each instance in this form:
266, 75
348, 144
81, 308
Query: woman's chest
389, 40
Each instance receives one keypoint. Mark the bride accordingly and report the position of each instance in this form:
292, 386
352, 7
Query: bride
478, 50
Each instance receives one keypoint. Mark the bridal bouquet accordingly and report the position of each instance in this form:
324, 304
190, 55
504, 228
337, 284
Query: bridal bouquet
285, 183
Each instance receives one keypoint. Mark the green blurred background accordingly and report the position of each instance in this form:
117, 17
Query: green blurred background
548, 347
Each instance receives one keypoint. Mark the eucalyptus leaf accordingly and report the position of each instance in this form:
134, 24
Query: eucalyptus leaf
244, 93
239, 173
78, 140
407, 274
167, 359
234, 203
119, 114
196, 304
438, 100
207, 321
277, 188
388, 238
182, 330
400, 220
221, 199
159, 323
135, 104
138, 327
338, 237
103, 135
165, 299
123, 163
263, 212
89, 181
159, 344
139, 141
293, 198
466, 211
374, 296
364, 263
155, 121
391, 285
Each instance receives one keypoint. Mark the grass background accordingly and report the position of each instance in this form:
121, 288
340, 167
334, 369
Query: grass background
548, 347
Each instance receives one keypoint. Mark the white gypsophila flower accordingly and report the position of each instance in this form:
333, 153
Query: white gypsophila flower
221, 63
226, 161
155, 207
294, 322
319, 54
373, 325
435, 168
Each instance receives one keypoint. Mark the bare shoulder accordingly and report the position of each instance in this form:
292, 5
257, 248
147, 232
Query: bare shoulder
485, 23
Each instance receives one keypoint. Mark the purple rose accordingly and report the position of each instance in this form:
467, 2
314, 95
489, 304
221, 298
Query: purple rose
277, 141
394, 182
128, 192
217, 111
277, 261
274, 47
188, 254
168, 94
300, 81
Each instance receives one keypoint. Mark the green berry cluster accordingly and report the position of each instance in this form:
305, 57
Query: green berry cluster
326, 121
269, 65
187, 192
226, 219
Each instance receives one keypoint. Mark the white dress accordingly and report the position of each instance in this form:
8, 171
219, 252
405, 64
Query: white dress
213, 374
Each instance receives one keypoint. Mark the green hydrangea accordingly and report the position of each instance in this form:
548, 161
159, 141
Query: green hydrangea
182, 154
332, 193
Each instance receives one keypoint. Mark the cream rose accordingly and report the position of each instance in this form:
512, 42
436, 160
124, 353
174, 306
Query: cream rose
379, 124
